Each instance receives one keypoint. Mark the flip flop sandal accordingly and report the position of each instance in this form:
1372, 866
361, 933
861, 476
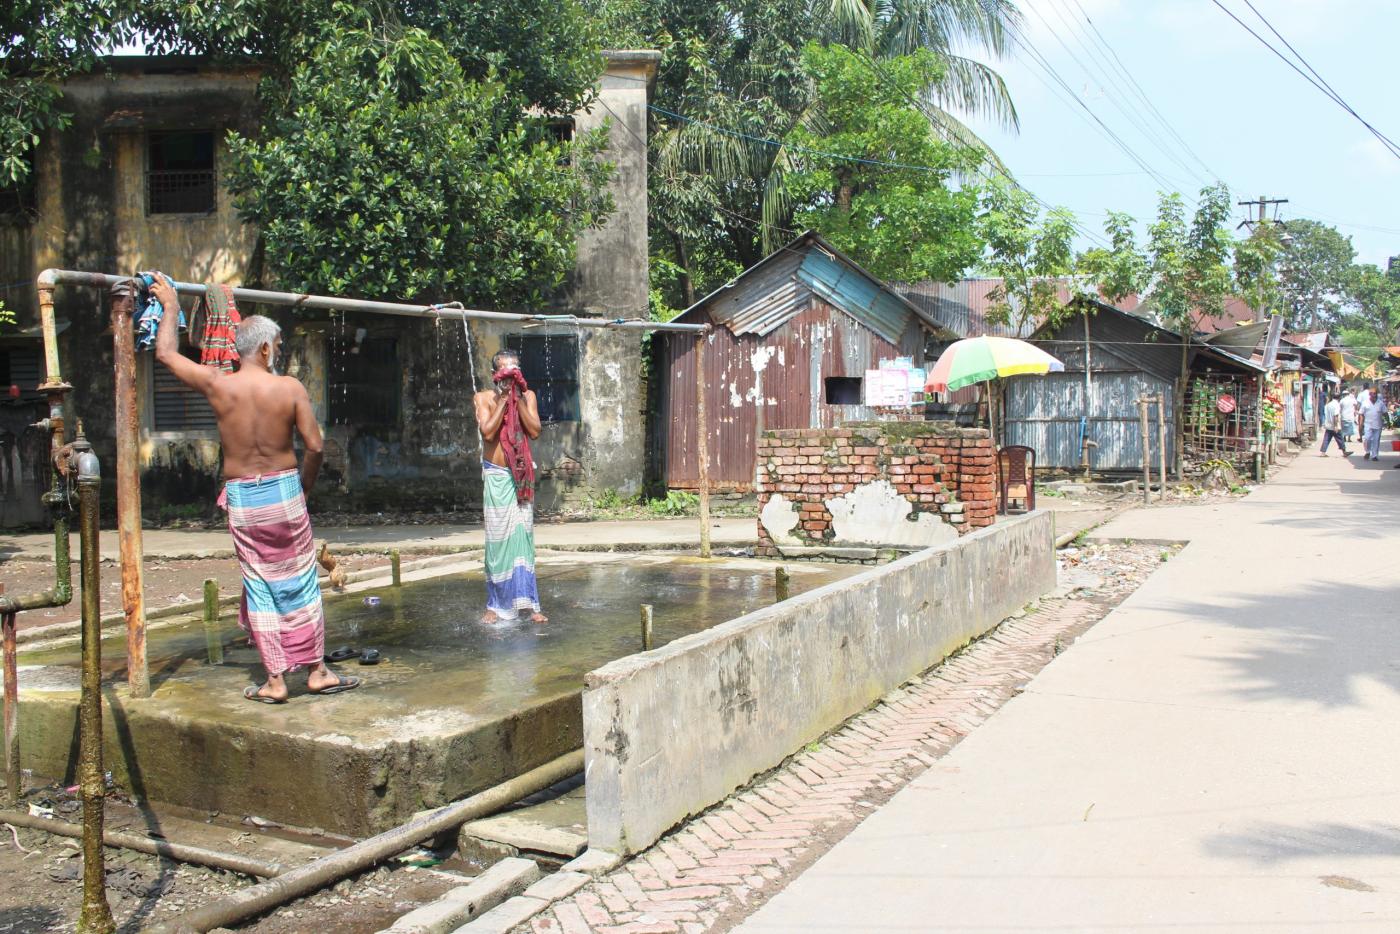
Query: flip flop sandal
251, 693
342, 684
344, 653
370, 657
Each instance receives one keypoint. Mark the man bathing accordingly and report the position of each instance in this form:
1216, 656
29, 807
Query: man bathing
508, 415
264, 494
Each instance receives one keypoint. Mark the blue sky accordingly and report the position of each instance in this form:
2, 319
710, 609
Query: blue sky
1251, 120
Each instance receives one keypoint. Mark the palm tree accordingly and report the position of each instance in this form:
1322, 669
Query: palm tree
746, 101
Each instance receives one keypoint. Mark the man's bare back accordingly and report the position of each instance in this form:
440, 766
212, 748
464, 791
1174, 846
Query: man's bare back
257, 410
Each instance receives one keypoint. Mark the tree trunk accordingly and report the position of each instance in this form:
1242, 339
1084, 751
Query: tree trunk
683, 260
844, 192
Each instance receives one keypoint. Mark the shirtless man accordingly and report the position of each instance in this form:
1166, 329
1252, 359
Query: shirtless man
508, 415
264, 494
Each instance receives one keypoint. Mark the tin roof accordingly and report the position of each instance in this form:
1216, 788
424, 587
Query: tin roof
774, 290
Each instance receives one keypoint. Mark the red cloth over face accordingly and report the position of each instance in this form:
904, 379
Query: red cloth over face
515, 443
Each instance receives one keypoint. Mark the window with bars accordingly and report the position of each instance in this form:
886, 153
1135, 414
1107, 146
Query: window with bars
365, 381
550, 365
22, 368
175, 406
180, 173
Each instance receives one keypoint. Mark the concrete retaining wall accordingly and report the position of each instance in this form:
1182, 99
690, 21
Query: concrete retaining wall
670, 732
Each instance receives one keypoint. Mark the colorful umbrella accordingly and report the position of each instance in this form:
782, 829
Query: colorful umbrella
977, 359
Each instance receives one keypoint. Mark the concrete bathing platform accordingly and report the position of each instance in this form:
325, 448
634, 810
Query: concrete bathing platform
670, 732
455, 707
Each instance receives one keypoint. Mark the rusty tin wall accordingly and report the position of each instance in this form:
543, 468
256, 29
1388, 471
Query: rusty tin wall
754, 384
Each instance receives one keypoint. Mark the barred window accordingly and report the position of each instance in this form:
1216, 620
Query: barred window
365, 382
22, 368
180, 173
175, 406
550, 365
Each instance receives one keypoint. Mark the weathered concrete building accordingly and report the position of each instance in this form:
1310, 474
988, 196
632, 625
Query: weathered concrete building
134, 184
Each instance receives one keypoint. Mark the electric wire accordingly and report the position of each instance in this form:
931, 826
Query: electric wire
1389, 144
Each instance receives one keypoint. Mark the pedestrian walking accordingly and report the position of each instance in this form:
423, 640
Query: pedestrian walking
1372, 420
1348, 403
1332, 426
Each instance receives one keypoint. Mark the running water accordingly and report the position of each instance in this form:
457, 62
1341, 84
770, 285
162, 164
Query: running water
471, 355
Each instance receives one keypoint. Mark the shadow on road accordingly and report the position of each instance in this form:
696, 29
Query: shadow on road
1269, 843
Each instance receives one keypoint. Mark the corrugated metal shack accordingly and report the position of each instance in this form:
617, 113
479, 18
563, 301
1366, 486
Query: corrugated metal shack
793, 336
1128, 357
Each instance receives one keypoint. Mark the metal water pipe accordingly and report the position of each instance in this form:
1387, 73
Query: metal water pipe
452, 311
127, 436
96, 915
61, 593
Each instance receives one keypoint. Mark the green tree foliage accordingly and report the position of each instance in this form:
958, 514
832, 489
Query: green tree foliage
387, 171
1370, 319
720, 186
885, 198
1256, 271
544, 52
1119, 270
1032, 255
45, 42
1313, 270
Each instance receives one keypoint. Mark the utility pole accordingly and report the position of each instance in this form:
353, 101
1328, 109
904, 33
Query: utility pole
1262, 203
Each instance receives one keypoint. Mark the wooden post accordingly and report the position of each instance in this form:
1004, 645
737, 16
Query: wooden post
646, 627
212, 637
395, 568
1161, 445
1146, 452
781, 579
702, 444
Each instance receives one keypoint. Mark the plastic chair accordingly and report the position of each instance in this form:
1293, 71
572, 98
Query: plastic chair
1016, 478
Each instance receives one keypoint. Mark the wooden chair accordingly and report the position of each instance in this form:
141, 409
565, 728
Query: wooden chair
1016, 478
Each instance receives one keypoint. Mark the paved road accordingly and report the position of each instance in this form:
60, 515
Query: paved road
1222, 753
630, 534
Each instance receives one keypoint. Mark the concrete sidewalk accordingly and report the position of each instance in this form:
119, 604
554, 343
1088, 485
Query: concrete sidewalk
619, 535
1218, 754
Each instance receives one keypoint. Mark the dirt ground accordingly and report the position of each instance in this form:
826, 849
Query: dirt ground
166, 582
42, 890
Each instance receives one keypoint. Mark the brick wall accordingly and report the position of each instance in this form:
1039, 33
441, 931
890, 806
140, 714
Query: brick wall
938, 470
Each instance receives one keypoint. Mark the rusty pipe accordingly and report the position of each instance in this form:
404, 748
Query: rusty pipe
328, 870
335, 303
127, 432
96, 915
53, 386
12, 775
196, 855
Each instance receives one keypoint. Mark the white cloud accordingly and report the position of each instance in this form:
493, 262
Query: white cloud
1375, 156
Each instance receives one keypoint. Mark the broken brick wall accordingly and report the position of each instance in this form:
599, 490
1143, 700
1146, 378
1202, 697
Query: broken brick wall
846, 493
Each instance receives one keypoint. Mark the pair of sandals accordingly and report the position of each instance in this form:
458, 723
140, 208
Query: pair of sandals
345, 653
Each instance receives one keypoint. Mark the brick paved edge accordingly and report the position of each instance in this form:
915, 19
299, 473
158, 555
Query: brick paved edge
721, 866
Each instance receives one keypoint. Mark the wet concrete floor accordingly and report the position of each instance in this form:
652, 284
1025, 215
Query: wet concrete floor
456, 705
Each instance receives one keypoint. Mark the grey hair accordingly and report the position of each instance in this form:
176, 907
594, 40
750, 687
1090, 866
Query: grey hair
253, 332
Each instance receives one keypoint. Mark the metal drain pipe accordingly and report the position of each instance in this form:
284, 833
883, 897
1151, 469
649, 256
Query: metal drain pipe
197, 855
61, 593
330, 869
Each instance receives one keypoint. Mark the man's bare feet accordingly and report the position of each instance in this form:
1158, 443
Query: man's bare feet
273, 692
539, 618
490, 617
321, 680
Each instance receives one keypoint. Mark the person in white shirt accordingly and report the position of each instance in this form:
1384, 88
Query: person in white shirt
1373, 420
1348, 404
1332, 426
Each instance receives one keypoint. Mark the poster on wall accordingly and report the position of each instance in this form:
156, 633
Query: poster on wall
886, 388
